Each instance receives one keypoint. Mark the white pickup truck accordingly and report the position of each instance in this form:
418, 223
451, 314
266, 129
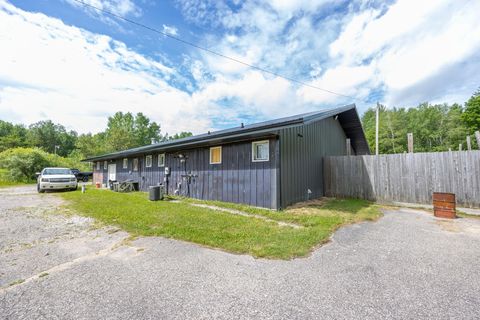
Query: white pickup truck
56, 179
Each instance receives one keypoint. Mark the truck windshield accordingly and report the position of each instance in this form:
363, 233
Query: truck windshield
56, 171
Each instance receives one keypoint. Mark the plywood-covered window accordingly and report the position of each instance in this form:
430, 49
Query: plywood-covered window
161, 160
105, 165
135, 164
260, 151
215, 155
98, 165
148, 161
125, 163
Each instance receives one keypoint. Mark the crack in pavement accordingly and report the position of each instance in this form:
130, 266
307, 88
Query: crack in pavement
68, 264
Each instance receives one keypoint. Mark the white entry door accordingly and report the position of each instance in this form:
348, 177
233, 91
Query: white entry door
112, 172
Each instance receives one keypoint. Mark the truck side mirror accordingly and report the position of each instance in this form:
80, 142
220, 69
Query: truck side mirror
37, 173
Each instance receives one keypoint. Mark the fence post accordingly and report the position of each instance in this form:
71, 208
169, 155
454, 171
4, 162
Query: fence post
410, 142
460, 147
477, 135
469, 144
349, 147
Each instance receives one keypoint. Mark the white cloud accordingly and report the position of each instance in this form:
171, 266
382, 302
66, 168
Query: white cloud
171, 30
411, 52
348, 80
375, 48
53, 71
413, 44
118, 7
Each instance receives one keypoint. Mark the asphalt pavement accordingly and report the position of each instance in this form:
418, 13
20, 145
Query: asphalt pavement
407, 265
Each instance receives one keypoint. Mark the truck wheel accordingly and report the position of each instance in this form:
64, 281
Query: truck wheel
39, 190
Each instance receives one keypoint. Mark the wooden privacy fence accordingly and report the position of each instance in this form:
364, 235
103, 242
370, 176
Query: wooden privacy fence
408, 177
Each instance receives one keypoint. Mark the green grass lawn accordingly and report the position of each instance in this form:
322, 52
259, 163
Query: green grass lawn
132, 212
6, 183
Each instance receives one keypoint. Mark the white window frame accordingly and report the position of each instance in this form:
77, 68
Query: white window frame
161, 156
213, 148
98, 165
254, 144
125, 163
135, 168
148, 161
105, 165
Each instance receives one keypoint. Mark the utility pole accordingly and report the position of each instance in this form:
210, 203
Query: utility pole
377, 120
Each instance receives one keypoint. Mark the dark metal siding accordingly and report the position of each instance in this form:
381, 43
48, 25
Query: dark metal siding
237, 179
302, 150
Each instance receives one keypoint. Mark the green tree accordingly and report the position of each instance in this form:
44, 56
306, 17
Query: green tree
12, 136
471, 115
145, 130
92, 144
180, 135
119, 133
126, 131
434, 127
47, 135
455, 129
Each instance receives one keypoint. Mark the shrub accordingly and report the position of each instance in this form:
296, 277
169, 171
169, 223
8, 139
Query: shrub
21, 164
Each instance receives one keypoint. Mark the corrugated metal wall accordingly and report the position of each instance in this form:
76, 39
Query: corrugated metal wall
302, 150
237, 179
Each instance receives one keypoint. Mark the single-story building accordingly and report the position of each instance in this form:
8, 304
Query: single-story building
270, 164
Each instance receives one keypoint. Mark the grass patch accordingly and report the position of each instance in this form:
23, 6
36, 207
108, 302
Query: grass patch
14, 283
133, 213
466, 215
6, 184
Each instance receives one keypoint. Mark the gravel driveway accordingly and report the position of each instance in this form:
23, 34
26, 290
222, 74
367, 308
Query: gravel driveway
407, 265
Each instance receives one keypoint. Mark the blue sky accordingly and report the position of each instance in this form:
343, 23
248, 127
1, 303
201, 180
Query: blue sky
69, 63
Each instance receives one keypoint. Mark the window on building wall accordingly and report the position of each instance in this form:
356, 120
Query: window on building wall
135, 164
161, 160
215, 155
125, 163
105, 165
260, 151
98, 165
148, 161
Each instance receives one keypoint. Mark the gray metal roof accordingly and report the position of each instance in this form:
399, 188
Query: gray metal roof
254, 131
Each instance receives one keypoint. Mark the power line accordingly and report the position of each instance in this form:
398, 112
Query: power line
139, 24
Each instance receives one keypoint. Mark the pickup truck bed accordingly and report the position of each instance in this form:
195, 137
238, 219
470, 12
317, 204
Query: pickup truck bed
82, 176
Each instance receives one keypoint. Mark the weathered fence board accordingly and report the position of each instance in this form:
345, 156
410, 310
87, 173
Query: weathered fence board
408, 177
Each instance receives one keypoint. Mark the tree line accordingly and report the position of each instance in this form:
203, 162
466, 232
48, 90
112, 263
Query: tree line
124, 131
435, 127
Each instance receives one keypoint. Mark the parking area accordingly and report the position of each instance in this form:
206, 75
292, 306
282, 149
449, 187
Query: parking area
55, 265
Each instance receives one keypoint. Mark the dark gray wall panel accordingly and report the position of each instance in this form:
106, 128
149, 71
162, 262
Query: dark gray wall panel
302, 149
237, 179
